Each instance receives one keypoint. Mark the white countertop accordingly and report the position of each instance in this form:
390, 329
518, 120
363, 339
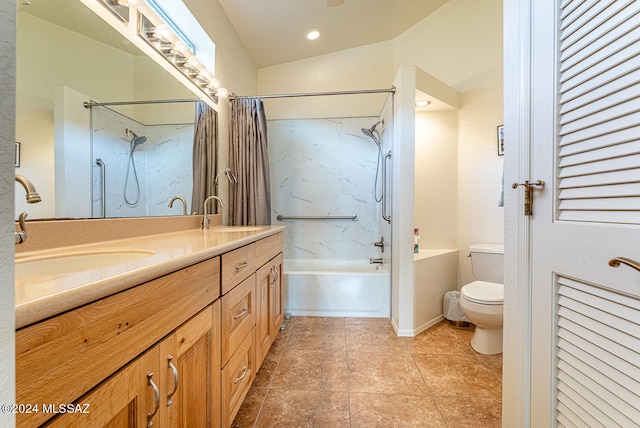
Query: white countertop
41, 296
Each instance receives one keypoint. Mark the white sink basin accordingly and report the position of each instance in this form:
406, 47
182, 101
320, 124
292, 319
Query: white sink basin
236, 229
64, 263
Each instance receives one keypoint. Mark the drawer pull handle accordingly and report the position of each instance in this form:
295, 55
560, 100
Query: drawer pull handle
156, 391
241, 314
242, 376
242, 265
175, 380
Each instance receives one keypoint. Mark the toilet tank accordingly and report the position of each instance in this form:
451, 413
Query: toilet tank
487, 262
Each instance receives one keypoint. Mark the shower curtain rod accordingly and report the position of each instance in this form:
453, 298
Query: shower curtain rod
89, 104
315, 94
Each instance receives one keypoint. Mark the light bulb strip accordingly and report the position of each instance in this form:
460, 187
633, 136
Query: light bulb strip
180, 56
155, 31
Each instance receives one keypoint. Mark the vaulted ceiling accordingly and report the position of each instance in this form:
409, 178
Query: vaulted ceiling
273, 31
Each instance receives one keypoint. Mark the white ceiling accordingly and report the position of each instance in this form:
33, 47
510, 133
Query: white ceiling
273, 31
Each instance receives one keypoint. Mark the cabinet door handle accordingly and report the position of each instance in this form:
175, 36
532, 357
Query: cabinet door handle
242, 265
175, 380
241, 314
156, 391
242, 376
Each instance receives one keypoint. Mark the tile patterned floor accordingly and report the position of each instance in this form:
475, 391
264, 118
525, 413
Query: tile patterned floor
355, 372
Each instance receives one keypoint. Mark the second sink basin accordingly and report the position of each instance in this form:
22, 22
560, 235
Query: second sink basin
64, 263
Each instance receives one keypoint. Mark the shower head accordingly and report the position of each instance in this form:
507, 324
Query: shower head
135, 140
369, 132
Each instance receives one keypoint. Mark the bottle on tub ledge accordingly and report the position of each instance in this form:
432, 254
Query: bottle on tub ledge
416, 240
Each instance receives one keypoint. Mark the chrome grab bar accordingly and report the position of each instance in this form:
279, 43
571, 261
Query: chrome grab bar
385, 216
103, 184
313, 217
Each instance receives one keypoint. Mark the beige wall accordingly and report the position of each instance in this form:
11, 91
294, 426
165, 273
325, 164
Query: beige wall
480, 220
366, 67
436, 203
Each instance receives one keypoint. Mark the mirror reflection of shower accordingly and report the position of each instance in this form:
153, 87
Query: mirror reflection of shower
134, 143
375, 136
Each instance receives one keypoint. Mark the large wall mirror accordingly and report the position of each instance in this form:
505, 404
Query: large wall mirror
124, 160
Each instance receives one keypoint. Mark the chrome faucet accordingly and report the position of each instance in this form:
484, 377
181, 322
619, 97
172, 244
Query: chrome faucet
184, 203
32, 198
205, 220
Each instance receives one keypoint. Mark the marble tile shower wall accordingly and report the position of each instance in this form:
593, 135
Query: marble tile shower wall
163, 165
324, 167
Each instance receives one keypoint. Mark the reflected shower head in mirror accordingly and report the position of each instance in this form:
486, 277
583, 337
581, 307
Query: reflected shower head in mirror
135, 140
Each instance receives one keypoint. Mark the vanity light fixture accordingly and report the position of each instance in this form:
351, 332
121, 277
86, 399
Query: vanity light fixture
142, 22
313, 34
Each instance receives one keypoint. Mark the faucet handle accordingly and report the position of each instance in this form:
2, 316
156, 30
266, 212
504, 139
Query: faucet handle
21, 236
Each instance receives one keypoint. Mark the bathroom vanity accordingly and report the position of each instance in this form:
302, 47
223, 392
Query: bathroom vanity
172, 338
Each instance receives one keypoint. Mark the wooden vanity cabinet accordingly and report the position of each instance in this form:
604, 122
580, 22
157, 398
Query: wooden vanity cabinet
174, 384
64, 357
181, 350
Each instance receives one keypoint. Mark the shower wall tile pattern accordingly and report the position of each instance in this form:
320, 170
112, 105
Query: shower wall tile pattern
324, 167
163, 164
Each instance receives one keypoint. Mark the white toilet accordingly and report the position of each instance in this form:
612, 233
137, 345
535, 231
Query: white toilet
482, 300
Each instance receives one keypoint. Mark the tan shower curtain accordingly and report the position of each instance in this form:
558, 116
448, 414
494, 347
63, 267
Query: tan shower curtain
250, 197
205, 148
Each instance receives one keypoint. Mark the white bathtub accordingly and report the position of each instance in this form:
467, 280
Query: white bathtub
340, 288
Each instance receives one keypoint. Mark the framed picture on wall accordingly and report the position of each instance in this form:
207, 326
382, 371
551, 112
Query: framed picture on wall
501, 140
17, 159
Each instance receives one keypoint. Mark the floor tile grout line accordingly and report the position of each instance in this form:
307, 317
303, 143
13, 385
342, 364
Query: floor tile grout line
490, 363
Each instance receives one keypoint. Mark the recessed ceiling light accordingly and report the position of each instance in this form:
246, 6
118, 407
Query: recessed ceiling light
422, 103
313, 34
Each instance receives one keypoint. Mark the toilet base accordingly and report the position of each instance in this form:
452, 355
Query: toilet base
487, 341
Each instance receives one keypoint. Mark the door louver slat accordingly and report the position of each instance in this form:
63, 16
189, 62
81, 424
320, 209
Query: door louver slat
597, 352
599, 114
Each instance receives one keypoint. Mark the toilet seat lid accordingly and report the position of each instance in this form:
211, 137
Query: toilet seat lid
483, 292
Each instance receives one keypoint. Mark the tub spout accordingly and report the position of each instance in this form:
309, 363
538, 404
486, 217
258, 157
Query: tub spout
376, 261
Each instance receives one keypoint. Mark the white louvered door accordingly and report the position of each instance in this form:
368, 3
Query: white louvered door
585, 323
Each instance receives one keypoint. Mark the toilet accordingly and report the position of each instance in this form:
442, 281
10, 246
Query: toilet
482, 300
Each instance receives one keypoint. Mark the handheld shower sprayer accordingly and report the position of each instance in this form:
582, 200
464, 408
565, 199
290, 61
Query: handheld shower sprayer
375, 136
134, 143
135, 140
369, 132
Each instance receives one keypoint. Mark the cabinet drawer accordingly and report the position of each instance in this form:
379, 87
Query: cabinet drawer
237, 265
268, 248
238, 316
237, 377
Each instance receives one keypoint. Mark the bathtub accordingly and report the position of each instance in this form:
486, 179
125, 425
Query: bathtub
340, 288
